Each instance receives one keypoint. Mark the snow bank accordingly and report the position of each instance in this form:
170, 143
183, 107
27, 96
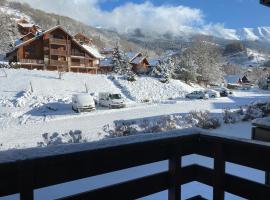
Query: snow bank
148, 89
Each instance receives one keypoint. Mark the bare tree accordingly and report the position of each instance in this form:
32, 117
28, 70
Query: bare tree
208, 59
61, 71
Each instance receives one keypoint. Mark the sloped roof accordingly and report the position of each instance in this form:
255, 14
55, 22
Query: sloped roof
82, 35
138, 60
93, 50
38, 36
26, 25
106, 62
32, 34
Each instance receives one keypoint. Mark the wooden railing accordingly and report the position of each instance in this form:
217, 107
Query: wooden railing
265, 2
58, 62
58, 52
27, 170
58, 41
31, 61
77, 54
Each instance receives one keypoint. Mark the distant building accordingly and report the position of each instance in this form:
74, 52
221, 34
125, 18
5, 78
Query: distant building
106, 66
54, 49
25, 27
107, 52
140, 64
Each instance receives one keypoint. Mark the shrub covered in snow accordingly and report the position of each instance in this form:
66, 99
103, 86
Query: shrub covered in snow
231, 117
263, 83
249, 112
56, 138
202, 119
150, 125
252, 112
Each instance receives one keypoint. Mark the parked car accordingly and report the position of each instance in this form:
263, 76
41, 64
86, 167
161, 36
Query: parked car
83, 103
212, 93
111, 100
246, 86
223, 92
197, 95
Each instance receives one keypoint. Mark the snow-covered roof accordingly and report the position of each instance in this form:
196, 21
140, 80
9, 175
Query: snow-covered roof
107, 62
131, 55
138, 60
93, 50
232, 78
26, 25
154, 61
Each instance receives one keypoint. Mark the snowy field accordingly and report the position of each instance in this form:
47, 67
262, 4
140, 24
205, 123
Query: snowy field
26, 115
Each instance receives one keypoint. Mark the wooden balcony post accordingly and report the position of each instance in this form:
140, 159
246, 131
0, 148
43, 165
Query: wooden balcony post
25, 181
219, 173
175, 165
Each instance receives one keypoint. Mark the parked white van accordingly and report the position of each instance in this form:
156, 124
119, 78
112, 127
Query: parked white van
111, 100
83, 103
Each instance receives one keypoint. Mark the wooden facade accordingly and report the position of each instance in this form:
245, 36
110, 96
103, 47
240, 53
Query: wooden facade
54, 49
140, 64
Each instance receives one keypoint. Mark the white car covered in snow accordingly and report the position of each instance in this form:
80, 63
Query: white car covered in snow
197, 95
111, 100
83, 103
212, 93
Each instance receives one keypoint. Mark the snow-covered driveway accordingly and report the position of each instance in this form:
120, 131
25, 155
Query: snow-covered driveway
91, 124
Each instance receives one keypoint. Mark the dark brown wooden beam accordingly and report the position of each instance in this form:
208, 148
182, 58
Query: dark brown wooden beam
265, 2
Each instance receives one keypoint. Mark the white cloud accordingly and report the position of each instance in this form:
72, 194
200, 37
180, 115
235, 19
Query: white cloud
129, 16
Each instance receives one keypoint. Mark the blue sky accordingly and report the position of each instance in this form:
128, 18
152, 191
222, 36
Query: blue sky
221, 18
231, 13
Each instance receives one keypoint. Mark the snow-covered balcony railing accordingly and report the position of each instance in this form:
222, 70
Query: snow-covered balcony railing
31, 61
23, 171
58, 62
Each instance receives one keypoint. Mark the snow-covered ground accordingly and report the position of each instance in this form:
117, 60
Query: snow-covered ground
147, 89
249, 58
26, 115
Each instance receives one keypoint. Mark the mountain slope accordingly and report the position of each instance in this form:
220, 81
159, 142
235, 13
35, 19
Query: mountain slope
102, 38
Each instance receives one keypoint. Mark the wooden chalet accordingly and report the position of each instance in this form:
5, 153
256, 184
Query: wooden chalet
105, 66
54, 49
140, 64
25, 27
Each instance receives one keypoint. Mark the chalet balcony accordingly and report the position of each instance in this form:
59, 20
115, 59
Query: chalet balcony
26, 170
77, 54
58, 52
58, 63
58, 41
31, 61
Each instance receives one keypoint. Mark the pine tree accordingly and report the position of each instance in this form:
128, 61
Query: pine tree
164, 70
121, 63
